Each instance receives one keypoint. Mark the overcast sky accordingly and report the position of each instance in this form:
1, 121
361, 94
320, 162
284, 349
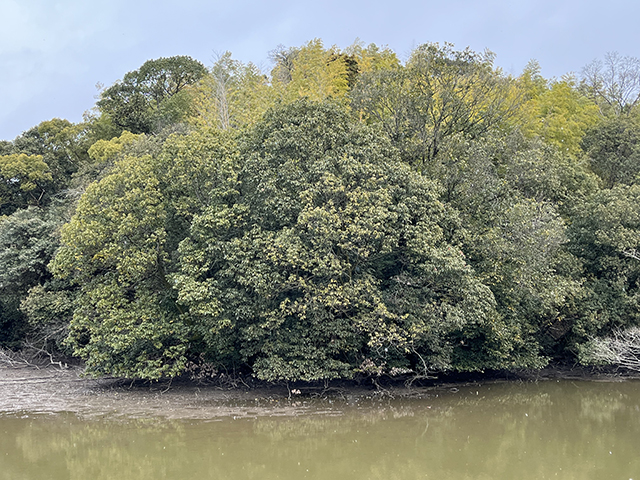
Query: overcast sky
52, 53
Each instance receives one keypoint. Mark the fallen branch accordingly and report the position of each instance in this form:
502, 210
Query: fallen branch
632, 253
14, 360
622, 349
38, 352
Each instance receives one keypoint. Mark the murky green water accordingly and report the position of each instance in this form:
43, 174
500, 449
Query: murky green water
546, 430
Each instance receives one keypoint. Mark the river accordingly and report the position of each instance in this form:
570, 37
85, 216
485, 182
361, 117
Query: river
553, 429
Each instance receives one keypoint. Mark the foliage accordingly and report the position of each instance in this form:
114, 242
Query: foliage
371, 58
48, 310
311, 71
41, 162
153, 96
232, 95
613, 150
438, 93
24, 180
113, 248
118, 249
333, 256
27, 243
103, 150
605, 235
59, 142
236, 95
556, 111
511, 194
345, 214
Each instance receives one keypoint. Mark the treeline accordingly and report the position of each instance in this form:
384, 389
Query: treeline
344, 214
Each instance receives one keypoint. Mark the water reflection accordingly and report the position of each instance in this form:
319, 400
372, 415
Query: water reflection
568, 430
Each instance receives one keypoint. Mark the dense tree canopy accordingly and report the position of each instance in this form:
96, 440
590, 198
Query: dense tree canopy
438, 93
606, 236
613, 150
333, 256
344, 214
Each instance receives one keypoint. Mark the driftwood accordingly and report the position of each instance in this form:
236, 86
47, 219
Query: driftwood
622, 349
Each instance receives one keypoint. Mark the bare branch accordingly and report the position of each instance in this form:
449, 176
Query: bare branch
622, 349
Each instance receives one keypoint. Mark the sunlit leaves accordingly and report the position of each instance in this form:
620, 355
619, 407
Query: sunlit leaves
113, 248
311, 71
557, 113
231, 95
23, 180
438, 93
103, 150
119, 248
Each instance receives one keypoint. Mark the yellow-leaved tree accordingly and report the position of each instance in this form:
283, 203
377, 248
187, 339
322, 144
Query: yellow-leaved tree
556, 111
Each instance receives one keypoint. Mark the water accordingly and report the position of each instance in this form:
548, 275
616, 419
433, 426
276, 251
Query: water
546, 430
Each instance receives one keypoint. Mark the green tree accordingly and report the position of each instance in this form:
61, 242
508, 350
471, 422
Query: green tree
613, 150
232, 95
371, 58
119, 249
512, 194
24, 180
113, 248
438, 93
311, 71
605, 235
556, 111
36, 172
105, 150
332, 258
41, 163
152, 96
27, 243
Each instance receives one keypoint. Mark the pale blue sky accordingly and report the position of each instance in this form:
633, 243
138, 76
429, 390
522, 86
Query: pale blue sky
52, 53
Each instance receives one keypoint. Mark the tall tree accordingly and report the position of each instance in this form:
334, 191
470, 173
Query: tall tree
27, 244
120, 247
556, 111
24, 180
152, 96
438, 93
232, 95
514, 196
311, 71
605, 235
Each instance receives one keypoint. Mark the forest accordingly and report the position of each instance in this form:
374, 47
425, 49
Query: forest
345, 214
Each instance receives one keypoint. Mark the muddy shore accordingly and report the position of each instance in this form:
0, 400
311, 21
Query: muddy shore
50, 389
53, 390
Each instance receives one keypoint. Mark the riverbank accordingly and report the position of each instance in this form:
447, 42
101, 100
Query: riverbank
51, 389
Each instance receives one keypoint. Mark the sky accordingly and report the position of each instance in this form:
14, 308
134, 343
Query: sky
54, 53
